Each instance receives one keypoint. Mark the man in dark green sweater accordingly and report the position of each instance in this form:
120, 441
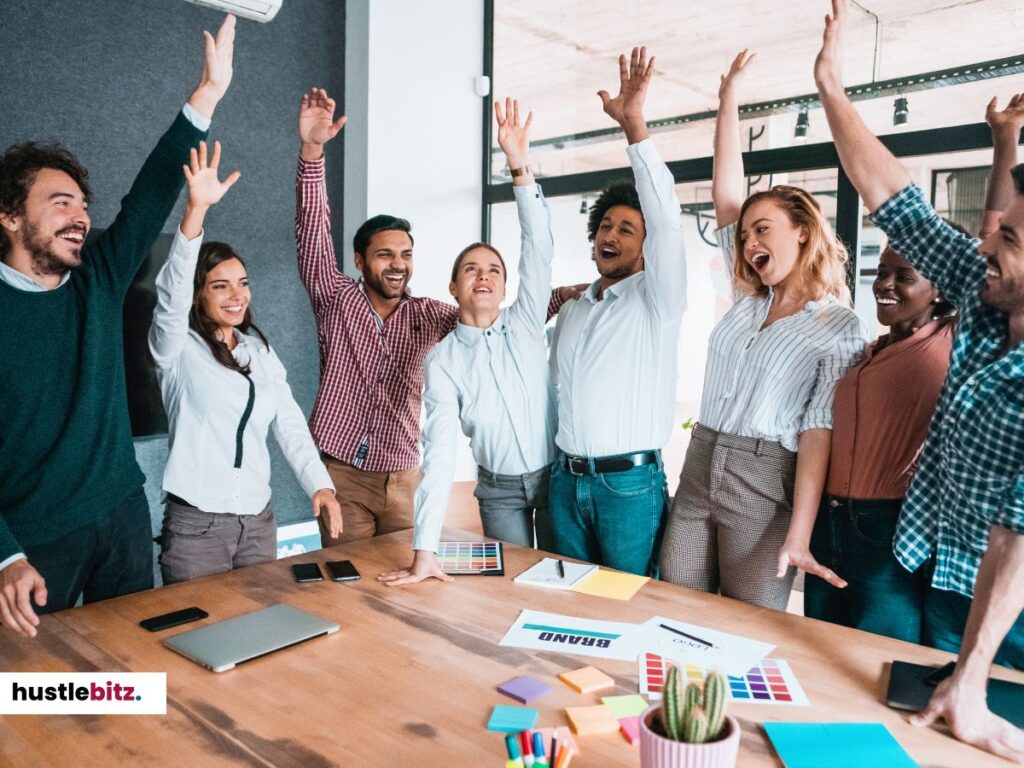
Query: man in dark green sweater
73, 514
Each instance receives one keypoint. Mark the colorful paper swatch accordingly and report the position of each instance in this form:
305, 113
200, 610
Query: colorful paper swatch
625, 706
630, 727
837, 745
587, 680
509, 719
524, 689
770, 681
481, 558
586, 721
612, 584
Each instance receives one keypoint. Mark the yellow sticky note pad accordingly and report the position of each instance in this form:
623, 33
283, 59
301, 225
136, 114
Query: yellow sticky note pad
587, 680
617, 586
592, 720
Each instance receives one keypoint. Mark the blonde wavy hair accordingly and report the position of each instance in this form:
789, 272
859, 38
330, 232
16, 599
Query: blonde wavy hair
823, 258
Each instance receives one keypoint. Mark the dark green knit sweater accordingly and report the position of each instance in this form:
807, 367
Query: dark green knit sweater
66, 453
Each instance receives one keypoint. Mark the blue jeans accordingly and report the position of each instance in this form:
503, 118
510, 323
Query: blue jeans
945, 618
614, 519
854, 538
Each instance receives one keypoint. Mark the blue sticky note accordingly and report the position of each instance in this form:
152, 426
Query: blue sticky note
837, 745
509, 719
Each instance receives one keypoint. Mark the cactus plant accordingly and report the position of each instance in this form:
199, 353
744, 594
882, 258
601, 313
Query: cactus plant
693, 716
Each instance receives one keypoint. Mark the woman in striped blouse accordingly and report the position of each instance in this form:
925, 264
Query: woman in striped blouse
756, 465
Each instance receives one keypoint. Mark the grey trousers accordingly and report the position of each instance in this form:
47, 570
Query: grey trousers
512, 505
194, 543
730, 517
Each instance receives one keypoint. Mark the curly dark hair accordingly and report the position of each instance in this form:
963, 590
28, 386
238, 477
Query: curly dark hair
616, 193
19, 165
210, 255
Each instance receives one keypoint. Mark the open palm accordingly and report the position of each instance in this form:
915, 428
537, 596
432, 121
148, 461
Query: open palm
204, 188
316, 118
737, 72
634, 77
513, 136
1012, 115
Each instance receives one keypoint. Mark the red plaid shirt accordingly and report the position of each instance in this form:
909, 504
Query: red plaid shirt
371, 380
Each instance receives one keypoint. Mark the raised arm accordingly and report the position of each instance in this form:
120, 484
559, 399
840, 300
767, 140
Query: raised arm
872, 168
126, 243
318, 266
530, 309
664, 257
1005, 125
727, 177
174, 283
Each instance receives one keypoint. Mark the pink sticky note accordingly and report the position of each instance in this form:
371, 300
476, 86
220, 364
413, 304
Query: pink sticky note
630, 727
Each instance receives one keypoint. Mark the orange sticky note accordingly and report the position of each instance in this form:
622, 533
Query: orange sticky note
591, 720
587, 680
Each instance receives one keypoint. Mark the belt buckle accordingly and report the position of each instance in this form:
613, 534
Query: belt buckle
571, 462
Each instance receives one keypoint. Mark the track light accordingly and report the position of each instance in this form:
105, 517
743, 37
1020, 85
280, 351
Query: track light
803, 122
901, 111
583, 206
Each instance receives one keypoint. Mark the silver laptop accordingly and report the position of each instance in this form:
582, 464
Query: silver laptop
225, 644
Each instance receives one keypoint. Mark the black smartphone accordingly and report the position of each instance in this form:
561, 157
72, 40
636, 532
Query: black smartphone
173, 619
342, 570
307, 572
940, 674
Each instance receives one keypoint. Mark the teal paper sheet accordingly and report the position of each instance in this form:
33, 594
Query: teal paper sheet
837, 745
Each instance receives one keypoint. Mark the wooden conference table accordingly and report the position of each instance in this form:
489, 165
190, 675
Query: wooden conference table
410, 678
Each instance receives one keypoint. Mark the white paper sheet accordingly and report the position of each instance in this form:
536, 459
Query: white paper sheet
544, 573
730, 654
568, 634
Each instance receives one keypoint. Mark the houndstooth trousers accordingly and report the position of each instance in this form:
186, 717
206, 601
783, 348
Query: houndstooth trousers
730, 517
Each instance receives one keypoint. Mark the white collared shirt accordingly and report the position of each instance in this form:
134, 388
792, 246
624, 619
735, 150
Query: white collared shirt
614, 360
205, 403
494, 381
774, 383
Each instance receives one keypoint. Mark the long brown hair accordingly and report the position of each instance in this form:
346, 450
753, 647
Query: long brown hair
210, 256
823, 258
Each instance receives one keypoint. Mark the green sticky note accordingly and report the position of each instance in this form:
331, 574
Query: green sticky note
509, 719
837, 745
625, 706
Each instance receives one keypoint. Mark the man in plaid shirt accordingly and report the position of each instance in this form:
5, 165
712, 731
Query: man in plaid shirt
964, 513
373, 337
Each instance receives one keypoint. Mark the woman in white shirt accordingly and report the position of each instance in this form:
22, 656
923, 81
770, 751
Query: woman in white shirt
755, 468
491, 375
223, 388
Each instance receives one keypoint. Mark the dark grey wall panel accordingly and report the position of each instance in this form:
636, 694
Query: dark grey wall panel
106, 77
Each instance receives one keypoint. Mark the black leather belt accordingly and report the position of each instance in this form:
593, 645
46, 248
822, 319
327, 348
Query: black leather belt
582, 465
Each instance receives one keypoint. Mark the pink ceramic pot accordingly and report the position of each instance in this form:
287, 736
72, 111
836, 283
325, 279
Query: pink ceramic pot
658, 752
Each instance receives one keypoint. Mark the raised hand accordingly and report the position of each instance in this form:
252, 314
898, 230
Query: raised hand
627, 108
513, 135
218, 68
828, 66
1012, 117
317, 125
737, 72
204, 188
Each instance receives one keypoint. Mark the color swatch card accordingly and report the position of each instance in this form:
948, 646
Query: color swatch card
770, 681
612, 584
837, 745
471, 558
568, 634
545, 574
706, 647
512, 719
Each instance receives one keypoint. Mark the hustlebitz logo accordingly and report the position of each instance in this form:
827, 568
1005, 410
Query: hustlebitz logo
83, 693
72, 692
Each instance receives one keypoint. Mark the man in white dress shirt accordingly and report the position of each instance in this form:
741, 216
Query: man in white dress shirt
614, 357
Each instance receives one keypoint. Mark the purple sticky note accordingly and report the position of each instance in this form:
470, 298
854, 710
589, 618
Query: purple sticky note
524, 689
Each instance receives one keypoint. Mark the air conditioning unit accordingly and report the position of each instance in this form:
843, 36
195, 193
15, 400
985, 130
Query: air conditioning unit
257, 10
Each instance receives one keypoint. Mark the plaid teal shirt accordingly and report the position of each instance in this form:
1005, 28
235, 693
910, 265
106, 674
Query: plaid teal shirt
971, 474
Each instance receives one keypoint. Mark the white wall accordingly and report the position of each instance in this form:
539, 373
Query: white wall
420, 132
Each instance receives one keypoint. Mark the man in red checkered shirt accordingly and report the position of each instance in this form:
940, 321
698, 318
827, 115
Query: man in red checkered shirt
373, 337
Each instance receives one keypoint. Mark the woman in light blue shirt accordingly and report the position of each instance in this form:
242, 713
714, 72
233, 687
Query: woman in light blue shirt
224, 389
491, 375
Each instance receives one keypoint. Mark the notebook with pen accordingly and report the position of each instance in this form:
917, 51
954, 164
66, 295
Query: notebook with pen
545, 573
